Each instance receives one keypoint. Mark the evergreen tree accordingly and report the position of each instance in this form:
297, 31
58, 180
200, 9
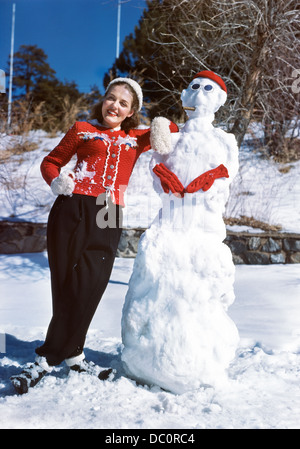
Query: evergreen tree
37, 89
30, 67
59, 99
144, 60
252, 44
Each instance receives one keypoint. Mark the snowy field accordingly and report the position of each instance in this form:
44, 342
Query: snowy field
263, 390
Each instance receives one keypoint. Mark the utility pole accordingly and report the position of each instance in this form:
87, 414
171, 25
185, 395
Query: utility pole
11, 64
118, 29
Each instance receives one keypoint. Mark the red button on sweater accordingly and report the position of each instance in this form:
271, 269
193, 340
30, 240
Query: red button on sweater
105, 158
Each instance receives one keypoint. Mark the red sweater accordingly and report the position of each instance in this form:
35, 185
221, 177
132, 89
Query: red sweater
105, 158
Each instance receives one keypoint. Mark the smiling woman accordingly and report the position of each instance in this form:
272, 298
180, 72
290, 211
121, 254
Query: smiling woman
82, 248
117, 106
120, 106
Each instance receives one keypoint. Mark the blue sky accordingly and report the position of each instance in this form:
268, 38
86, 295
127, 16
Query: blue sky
78, 36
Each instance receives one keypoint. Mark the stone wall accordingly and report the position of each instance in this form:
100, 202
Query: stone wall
22, 237
247, 248
264, 248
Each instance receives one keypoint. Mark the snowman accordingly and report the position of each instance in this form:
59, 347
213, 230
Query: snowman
176, 332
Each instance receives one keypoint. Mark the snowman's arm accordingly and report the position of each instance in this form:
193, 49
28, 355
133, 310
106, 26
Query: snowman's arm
232, 162
231, 155
156, 159
160, 135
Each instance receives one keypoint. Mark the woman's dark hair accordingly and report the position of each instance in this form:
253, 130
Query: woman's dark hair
130, 122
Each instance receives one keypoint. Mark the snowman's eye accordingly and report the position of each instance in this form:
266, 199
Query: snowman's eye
206, 88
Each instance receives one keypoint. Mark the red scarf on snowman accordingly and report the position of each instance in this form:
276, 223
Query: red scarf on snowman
169, 180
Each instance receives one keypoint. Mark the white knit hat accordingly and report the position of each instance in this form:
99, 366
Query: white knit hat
135, 86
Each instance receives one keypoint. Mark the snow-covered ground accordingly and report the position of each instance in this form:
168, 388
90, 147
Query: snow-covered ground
263, 389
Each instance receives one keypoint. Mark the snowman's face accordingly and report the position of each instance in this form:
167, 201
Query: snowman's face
203, 96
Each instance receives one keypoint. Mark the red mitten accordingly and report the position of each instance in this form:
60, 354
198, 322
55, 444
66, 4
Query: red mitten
206, 180
168, 179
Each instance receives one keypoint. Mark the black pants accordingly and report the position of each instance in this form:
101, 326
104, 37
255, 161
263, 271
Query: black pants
81, 257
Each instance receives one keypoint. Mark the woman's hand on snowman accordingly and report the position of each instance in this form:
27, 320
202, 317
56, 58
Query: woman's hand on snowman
64, 184
160, 135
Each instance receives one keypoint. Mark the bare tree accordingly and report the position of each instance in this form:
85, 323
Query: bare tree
253, 44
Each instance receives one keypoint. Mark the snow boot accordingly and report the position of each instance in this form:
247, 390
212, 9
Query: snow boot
81, 365
31, 375
105, 374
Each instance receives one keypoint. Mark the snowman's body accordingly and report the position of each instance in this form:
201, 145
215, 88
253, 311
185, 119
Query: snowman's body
175, 329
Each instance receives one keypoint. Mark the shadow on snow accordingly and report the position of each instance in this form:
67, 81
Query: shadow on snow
18, 353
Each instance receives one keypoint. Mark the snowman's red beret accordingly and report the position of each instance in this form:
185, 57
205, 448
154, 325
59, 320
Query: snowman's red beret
213, 76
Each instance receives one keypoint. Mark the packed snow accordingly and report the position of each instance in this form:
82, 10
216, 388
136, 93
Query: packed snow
263, 388
175, 329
